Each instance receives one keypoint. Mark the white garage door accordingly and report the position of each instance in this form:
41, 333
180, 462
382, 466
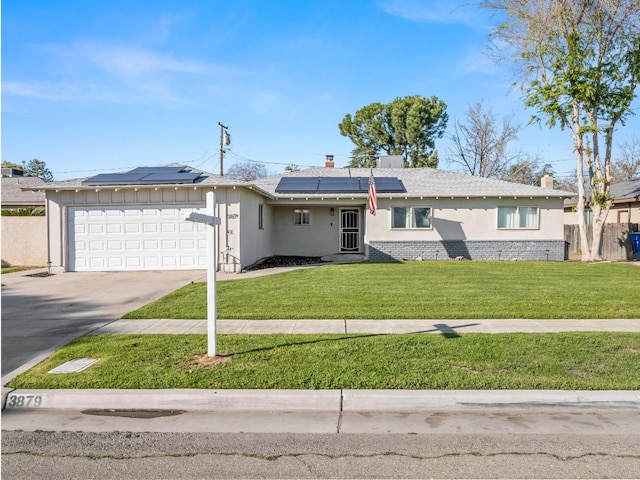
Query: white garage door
136, 238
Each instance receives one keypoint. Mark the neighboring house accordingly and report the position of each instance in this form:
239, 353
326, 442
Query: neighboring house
136, 220
13, 195
625, 208
24, 238
622, 220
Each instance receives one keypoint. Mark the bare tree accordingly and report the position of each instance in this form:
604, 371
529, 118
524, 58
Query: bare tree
247, 171
627, 165
480, 143
528, 171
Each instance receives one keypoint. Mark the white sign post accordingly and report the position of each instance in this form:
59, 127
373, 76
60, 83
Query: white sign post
211, 220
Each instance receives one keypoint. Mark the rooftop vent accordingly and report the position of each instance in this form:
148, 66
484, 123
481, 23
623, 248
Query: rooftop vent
390, 161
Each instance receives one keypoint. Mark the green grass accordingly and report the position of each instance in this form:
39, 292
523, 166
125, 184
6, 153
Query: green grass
16, 269
575, 361
428, 290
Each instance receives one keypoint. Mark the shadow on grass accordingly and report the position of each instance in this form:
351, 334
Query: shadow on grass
445, 330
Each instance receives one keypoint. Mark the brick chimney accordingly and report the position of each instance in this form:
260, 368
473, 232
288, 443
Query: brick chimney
546, 181
329, 162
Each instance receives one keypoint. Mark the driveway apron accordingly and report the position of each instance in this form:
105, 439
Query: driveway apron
42, 313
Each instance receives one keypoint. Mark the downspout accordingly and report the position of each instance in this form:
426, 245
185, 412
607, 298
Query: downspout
63, 228
46, 214
226, 230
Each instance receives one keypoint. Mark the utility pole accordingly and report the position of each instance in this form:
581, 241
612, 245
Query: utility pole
225, 139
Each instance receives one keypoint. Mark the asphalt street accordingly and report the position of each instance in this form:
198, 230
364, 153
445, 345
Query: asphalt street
126, 455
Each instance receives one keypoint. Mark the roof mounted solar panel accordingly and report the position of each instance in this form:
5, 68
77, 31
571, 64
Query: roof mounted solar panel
148, 170
145, 176
298, 185
180, 177
389, 185
338, 185
114, 179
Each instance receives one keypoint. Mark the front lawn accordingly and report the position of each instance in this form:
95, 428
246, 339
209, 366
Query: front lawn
573, 361
418, 290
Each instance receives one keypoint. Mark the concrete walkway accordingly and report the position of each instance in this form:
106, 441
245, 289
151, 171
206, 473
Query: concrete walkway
447, 327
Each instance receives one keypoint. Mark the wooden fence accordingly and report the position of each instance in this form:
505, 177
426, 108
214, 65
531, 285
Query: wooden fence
616, 241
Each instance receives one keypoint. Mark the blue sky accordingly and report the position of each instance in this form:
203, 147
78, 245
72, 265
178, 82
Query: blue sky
98, 86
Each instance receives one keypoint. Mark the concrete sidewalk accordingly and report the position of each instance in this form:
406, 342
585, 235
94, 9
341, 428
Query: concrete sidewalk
446, 327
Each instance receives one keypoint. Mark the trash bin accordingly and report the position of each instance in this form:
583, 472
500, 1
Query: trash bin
635, 243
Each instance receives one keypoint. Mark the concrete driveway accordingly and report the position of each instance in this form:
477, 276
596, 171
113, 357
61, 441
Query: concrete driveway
41, 314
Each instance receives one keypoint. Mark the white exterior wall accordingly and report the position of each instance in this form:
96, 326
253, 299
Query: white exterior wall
255, 242
461, 219
228, 233
318, 239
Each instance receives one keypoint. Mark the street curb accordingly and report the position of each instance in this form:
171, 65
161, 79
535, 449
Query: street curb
317, 400
176, 399
429, 400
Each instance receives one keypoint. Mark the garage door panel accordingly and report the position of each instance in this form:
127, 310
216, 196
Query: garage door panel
115, 245
136, 238
133, 262
96, 246
169, 244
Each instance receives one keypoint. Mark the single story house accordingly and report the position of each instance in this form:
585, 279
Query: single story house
136, 220
622, 220
13, 193
625, 208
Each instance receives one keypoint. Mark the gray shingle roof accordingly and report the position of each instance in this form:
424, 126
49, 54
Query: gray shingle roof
621, 192
12, 193
628, 190
419, 182
205, 180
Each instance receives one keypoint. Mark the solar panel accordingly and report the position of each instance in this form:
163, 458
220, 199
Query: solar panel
145, 176
338, 185
148, 170
389, 185
298, 185
182, 177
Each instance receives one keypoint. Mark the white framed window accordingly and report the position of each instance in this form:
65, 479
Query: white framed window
260, 216
411, 217
301, 216
518, 218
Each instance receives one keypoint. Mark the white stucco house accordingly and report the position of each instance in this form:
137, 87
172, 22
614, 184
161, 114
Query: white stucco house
136, 220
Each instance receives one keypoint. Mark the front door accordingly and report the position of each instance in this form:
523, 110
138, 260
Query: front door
349, 230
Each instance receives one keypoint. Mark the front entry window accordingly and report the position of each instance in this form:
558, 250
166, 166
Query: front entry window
301, 216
